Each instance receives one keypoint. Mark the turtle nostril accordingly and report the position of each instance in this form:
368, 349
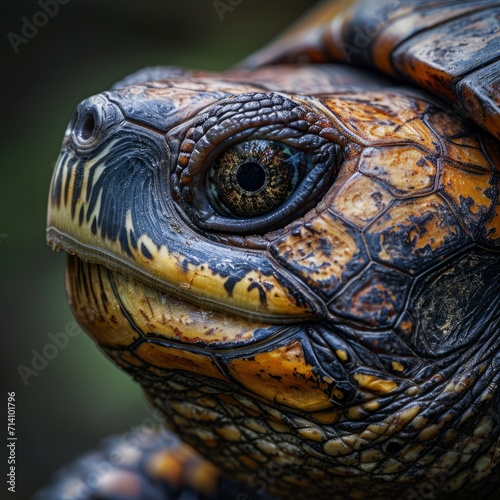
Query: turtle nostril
87, 127
92, 120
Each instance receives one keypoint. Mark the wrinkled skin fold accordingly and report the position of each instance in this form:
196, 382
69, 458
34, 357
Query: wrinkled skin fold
347, 330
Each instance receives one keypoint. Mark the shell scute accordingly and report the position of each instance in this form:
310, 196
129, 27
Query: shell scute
406, 26
413, 234
406, 170
439, 56
378, 118
323, 252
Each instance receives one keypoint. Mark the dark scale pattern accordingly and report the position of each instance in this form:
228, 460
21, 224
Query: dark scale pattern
404, 241
449, 304
311, 251
375, 297
257, 444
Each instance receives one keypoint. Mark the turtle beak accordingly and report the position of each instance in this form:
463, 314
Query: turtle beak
111, 203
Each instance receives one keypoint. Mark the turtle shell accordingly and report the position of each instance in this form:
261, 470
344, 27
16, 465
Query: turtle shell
300, 263
450, 48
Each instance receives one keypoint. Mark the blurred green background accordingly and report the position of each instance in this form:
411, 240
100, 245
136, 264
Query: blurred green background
79, 397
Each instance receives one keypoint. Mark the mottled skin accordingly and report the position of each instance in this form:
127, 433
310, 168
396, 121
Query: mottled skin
347, 336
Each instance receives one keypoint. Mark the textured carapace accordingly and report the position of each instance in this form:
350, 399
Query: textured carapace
301, 263
449, 47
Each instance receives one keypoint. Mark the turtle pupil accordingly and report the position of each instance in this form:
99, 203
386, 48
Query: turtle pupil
251, 176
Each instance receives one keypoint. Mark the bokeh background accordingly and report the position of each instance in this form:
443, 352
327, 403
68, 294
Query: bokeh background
79, 397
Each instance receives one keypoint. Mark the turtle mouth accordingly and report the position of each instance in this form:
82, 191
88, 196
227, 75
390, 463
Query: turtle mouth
149, 310
59, 240
91, 255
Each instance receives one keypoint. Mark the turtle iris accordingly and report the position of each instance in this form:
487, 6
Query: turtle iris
254, 177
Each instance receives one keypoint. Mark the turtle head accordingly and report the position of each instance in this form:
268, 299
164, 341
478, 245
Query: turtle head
306, 280
140, 183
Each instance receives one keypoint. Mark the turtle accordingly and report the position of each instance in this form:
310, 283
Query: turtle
298, 258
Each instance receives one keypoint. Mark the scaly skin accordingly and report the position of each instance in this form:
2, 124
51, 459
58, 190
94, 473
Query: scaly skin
349, 337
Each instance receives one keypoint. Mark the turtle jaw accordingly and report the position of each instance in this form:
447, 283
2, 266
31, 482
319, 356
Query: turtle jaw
141, 311
154, 333
181, 288
199, 287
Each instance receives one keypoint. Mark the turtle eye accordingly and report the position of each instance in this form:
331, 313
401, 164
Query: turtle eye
253, 178
253, 162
